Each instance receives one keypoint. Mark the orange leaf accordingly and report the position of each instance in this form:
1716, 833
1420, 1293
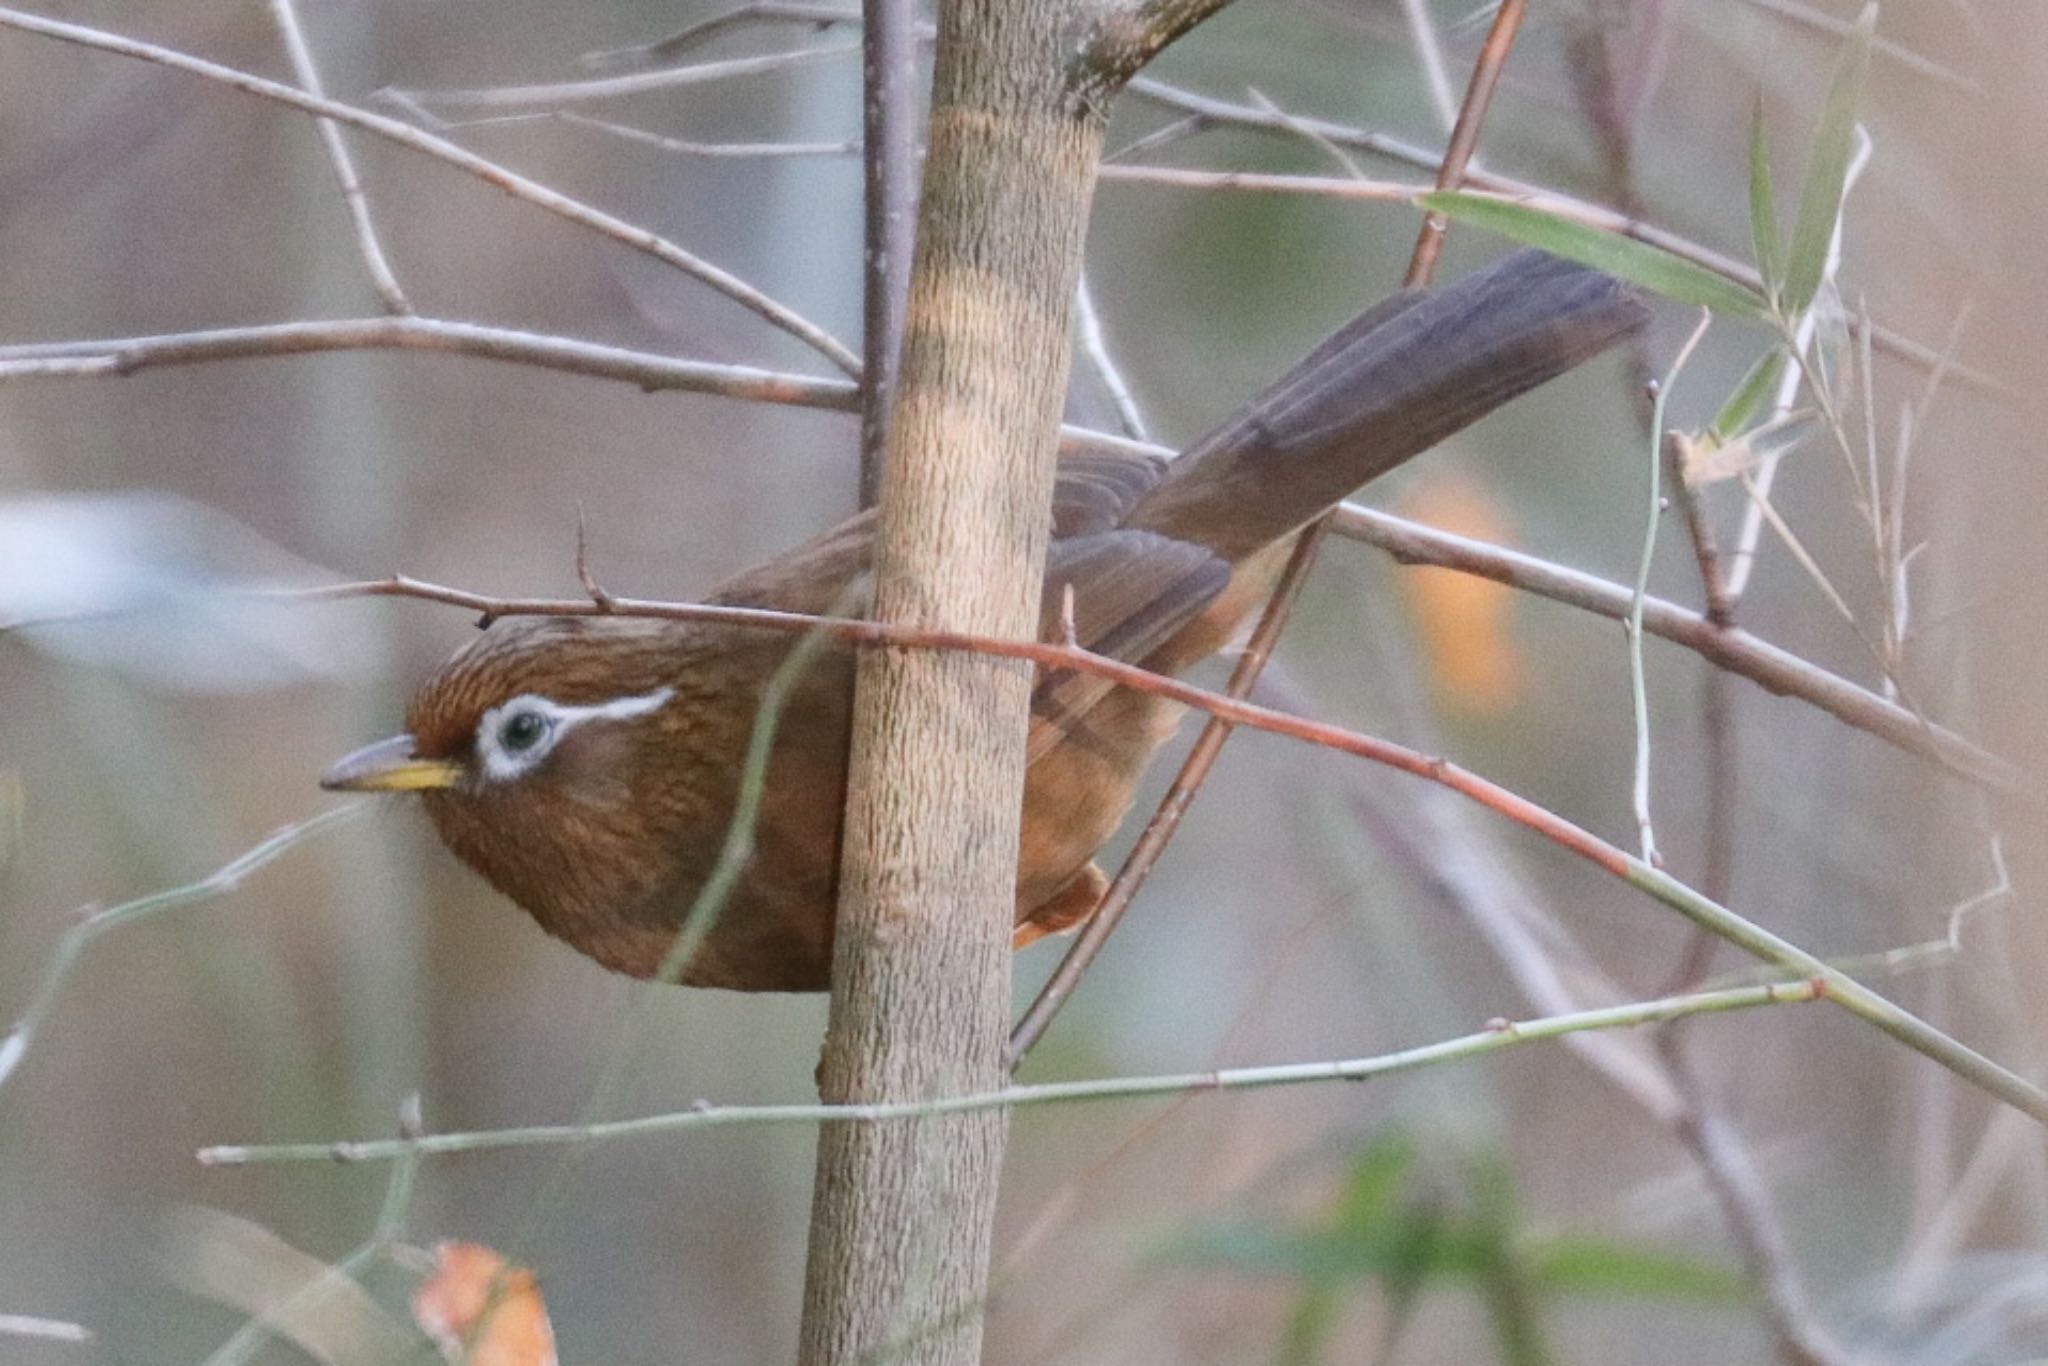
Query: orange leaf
481, 1310
1465, 622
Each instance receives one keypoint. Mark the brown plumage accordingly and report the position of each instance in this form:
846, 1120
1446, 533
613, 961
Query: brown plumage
588, 767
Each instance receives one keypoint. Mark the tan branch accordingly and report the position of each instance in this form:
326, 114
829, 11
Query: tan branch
427, 144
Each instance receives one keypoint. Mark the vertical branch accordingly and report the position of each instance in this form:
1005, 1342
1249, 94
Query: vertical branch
889, 159
901, 1215
1500, 40
1638, 687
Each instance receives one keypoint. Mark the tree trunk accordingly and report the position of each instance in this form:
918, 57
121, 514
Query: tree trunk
902, 1214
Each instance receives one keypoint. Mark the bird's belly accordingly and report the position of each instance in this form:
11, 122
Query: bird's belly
1078, 792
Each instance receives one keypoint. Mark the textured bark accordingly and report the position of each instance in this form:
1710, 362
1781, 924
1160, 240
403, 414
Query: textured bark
902, 1212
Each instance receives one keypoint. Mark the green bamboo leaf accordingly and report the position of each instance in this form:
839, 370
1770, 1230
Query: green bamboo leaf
1749, 396
1820, 198
1651, 268
1379, 1176
1594, 1266
1763, 211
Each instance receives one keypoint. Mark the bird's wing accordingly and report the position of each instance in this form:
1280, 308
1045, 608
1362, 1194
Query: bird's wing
1133, 590
1091, 494
1094, 493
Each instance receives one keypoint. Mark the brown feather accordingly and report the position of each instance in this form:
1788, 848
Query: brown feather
608, 839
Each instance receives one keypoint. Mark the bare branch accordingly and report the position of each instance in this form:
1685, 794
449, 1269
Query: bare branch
1638, 689
1261, 182
1775, 669
120, 356
382, 279
1739, 1189
1752, 938
1497, 1035
1457, 160
1807, 17
1221, 112
612, 87
1095, 346
511, 182
757, 12
1736, 651
14, 1045
679, 146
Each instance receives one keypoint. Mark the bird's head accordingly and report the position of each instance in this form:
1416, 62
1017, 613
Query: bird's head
541, 753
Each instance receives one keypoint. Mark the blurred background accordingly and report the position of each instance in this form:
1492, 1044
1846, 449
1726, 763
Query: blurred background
1312, 908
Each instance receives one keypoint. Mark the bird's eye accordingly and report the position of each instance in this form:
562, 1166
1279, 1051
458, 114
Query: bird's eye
522, 731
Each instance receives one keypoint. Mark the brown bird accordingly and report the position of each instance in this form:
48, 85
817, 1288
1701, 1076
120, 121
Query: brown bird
588, 766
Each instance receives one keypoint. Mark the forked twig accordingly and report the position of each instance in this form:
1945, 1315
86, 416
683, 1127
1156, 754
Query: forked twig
382, 278
405, 135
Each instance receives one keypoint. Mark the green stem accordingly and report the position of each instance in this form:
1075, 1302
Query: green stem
1499, 1035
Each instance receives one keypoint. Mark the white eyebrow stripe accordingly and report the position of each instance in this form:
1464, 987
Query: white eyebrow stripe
618, 709
502, 767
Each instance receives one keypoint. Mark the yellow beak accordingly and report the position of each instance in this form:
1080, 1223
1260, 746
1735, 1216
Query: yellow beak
390, 766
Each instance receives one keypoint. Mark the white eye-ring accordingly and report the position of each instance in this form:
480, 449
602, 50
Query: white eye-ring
514, 737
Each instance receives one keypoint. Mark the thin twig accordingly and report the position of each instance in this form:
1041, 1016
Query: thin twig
1736, 650
1429, 56
1264, 182
1706, 548
382, 278
1497, 1035
427, 144
1821, 22
1638, 682
253, 1336
1220, 111
15, 1045
761, 12
737, 151
613, 87
1493, 56
592, 589
1844, 990
1345, 161
120, 356
1095, 346
1410, 542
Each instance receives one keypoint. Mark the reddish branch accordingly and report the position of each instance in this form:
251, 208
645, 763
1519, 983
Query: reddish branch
1843, 989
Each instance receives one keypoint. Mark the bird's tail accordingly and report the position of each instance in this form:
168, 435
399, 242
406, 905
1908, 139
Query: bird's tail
1386, 386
